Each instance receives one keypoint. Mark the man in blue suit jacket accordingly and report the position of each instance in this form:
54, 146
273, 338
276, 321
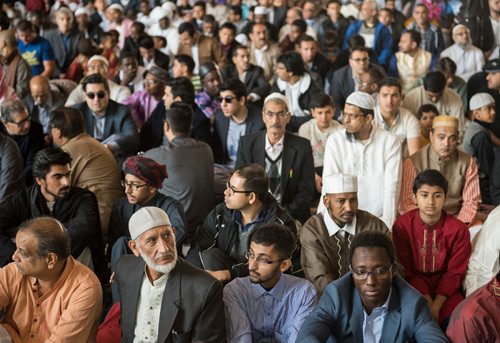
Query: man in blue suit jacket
369, 304
105, 120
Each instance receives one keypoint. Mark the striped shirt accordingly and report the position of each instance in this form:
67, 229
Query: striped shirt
256, 315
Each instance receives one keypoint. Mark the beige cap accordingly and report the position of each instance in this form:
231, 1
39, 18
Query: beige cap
445, 121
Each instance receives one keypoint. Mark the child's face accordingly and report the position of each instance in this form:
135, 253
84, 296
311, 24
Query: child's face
430, 201
323, 116
426, 121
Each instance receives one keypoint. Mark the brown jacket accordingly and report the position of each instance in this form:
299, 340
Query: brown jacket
208, 50
325, 258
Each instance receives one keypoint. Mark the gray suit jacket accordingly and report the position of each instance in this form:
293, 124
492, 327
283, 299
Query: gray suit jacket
191, 311
64, 56
339, 316
119, 128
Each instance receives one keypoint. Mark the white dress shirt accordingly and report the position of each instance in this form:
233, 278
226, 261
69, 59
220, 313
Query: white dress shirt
469, 60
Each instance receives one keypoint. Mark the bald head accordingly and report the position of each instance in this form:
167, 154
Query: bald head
40, 89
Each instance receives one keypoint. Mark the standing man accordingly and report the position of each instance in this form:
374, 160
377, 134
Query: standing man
368, 152
286, 158
327, 236
164, 298
432, 37
370, 303
285, 298
47, 295
463, 195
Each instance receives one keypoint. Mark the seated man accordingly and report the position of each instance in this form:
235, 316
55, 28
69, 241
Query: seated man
36, 50
130, 74
143, 102
41, 101
190, 166
164, 298
237, 117
16, 67
369, 303
434, 91
476, 318
46, 295
442, 154
287, 158
183, 66
285, 298
106, 120
297, 85
484, 262
317, 130
151, 56
208, 98
433, 246
477, 141
326, 237
98, 64
222, 241
93, 166
26, 133
253, 75
53, 196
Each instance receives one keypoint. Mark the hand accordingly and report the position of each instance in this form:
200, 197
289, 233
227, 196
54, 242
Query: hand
221, 275
127, 78
318, 181
112, 278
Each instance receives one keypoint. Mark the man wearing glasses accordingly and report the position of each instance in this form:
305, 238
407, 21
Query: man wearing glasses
287, 158
268, 305
221, 243
370, 304
105, 120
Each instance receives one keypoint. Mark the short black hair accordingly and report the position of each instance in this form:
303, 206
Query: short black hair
237, 47
50, 235
426, 108
301, 24
48, 157
376, 76
68, 120
228, 25
447, 66
430, 177
127, 54
305, 38
236, 86
331, 38
94, 78
435, 82
188, 27
256, 179
322, 100
140, 26
183, 88
146, 42
373, 239
236, 10
359, 48
357, 41
415, 36
293, 62
186, 60
276, 235
180, 117
201, 4
25, 26
390, 82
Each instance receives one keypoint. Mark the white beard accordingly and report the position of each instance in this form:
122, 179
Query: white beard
164, 268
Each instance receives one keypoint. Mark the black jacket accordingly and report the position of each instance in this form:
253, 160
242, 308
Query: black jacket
78, 212
221, 231
255, 81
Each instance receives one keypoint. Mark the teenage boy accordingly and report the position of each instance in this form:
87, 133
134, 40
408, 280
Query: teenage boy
317, 131
433, 246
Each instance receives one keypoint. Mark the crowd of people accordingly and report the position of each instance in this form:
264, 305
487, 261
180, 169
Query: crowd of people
249, 171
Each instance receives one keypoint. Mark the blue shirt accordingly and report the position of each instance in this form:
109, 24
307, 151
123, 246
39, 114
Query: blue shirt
373, 323
256, 315
35, 53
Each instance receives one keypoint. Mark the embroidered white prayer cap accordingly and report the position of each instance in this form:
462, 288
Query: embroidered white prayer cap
159, 13
340, 183
116, 7
276, 96
260, 10
480, 100
98, 58
82, 10
362, 100
146, 219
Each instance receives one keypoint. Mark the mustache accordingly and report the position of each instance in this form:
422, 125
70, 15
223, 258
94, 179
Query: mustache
65, 188
276, 126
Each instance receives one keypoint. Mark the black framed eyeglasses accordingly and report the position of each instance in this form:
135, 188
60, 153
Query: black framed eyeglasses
100, 95
135, 187
250, 256
227, 99
234, 190
378, 273
20, 123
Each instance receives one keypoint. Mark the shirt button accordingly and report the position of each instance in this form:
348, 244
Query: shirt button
32, 335
37, 305
34, 320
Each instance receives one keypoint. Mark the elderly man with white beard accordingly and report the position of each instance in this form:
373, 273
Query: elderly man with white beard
163, 297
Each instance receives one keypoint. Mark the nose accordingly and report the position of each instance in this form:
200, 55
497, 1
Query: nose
15, 257
348, 206
162, 246
252, 264
65, 180
371, 279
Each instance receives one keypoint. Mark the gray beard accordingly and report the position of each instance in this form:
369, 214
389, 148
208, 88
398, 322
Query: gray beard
164, 269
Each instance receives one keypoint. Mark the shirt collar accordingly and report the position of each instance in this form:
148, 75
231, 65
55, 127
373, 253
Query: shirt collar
381, 309
423, 226
275, 146
381, 120
333, 228
277, 291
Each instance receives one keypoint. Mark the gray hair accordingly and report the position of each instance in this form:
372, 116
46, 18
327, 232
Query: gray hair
65, 12
10, 107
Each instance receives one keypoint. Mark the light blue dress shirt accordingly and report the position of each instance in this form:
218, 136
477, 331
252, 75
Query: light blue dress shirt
373, 323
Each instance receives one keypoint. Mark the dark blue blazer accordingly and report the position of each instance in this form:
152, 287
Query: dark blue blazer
339, 316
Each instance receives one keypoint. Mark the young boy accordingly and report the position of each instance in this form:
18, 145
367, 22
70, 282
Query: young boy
426, 114
477, 141
433, 246
317, 131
